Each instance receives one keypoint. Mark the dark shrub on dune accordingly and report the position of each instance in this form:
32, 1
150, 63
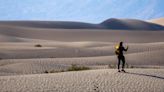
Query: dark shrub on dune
38, 45
77, 68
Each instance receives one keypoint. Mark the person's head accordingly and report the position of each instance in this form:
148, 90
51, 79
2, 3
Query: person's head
121, 43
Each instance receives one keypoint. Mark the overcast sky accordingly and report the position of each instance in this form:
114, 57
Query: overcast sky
93, 11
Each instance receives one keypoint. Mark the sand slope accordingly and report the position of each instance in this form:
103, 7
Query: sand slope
23, 65
136, 80
61, 55
63, 47
74, 35
159, 21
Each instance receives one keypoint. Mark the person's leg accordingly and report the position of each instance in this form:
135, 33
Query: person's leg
118, 64
123, 63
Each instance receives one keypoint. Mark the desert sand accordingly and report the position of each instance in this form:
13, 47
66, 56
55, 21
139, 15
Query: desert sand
23, 63
136, 80
159, 21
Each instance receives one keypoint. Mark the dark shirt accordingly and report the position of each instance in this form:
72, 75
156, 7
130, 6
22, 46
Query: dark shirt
121, 49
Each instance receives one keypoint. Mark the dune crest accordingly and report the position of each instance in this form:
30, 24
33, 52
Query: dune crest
113, 23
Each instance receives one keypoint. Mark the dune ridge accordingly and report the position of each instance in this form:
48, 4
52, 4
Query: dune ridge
113, 23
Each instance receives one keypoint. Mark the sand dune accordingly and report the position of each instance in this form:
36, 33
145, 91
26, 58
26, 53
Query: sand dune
93, 48
69, 49
159, 21
119, 24
137, 80
64, 54
51, 24
74, 35
23, 64
130, 24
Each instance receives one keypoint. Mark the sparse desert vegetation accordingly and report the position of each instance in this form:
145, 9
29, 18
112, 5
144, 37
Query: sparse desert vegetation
73, 67
38, 45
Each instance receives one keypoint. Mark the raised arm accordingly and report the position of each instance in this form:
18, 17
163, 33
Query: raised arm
126, 48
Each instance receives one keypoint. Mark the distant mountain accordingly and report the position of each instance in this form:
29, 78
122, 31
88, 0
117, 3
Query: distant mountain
117, 24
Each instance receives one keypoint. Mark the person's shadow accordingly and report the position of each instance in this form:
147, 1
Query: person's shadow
154, 76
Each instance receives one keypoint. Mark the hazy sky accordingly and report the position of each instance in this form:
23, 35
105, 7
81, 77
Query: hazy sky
94, 11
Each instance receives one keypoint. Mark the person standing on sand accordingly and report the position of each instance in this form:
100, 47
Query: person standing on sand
120, 55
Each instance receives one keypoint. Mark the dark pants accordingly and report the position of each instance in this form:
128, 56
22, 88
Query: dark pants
121, 58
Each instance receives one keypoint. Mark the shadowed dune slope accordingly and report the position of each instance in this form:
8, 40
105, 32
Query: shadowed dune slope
51, 24
130, 24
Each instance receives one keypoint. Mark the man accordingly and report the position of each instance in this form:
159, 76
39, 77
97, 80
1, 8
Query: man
120, 56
